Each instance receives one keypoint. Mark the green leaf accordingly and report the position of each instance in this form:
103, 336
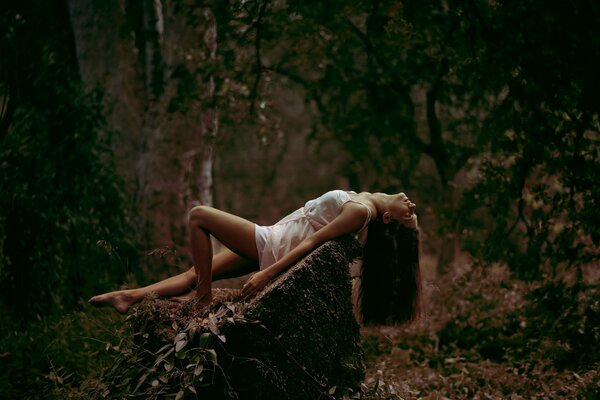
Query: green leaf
211, 355
203, 339
166, 346
162, 357
180, 345
212, 325
180, 336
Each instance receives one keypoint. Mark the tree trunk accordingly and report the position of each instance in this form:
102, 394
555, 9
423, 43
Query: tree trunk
141, 54
199, 162
446, 170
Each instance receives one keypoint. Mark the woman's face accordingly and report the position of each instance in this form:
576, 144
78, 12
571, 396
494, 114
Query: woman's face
402, 210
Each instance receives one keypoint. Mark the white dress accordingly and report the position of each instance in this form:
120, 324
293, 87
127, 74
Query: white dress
275, 241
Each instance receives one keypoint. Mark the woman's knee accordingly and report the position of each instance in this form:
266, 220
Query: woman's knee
198, 215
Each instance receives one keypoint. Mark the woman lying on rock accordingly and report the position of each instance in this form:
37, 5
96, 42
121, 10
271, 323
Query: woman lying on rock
385, 224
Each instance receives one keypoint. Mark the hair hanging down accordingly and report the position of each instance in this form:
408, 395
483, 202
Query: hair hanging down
391, 281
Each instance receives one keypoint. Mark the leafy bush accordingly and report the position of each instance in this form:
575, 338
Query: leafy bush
55, 352
59, 192
55, 206
563, 324
145, 367
506, 321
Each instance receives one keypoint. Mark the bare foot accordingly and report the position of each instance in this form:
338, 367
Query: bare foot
202, 301
121, 300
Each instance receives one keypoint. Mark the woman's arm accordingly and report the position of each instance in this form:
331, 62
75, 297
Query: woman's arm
350, 219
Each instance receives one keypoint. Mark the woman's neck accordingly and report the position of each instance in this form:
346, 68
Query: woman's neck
380, 201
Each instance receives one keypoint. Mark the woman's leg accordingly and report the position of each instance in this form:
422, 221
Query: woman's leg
121, 300
226, 264
234, 232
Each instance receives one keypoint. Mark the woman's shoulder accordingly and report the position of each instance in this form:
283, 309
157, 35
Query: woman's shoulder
328, 202
335, 192
332, 194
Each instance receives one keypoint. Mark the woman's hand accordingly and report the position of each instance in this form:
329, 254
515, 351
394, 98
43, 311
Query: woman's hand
258, 281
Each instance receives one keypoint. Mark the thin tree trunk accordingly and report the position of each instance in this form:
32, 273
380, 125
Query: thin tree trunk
210, 117
446, 170
198, 163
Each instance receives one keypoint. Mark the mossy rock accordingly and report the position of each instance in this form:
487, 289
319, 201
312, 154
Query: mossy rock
297, 339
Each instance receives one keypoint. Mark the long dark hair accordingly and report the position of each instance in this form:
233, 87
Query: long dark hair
390, 286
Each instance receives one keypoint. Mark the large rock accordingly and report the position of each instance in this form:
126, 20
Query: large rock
297, 339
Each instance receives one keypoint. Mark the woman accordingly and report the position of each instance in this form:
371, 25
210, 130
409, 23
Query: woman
390, 282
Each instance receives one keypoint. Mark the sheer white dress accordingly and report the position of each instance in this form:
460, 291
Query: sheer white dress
275, 241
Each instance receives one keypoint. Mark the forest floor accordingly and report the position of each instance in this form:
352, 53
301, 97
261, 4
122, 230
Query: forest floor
397, 372
487, 336
484, 335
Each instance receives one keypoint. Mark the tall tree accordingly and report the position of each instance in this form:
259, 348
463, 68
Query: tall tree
492, 92
59, 194
155, 62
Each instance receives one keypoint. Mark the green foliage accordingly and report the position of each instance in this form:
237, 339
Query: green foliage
569, 321
537, 180
552, 323
496, 96
59, 193
54, 352
56, 206
145, 367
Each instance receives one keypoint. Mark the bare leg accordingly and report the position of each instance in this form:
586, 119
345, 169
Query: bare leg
234, 232
121, 300
226, 264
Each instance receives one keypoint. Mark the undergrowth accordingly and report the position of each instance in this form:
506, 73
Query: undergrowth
485, 336
489, 336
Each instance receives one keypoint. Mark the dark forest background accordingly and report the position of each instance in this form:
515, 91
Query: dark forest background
117, 116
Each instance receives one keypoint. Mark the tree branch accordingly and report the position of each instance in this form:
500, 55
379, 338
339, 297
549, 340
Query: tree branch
307, 85
396, 85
